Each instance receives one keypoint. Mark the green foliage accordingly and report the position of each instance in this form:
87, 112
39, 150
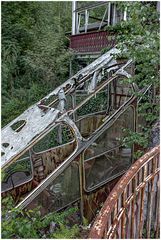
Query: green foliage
95, 104
140, 37
135, 137
30, 224
35, 58
85, 221
66, 233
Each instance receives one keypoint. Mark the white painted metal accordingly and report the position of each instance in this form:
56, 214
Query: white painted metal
86, 20
125, 15
105, 13
109, 13
73, 17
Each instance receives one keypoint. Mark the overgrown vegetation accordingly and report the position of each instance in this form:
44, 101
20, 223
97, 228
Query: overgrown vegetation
140, 36
30, 224
20, 166
35, 59
35, 56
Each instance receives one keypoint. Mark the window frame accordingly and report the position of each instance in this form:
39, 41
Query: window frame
58, 146
27, 181
85, 187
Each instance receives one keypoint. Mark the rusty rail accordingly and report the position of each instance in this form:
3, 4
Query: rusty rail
132, 208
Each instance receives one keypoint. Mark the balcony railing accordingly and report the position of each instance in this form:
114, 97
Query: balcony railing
132, 208
92, 42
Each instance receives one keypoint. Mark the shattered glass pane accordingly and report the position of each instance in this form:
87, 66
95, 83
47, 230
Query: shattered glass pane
58, 136
61, 192
106, 166
112, 137
17, 174
106, 158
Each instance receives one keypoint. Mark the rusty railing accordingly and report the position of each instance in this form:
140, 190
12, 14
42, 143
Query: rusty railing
132, 208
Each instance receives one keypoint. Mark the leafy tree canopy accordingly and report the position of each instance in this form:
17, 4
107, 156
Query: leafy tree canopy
35, 56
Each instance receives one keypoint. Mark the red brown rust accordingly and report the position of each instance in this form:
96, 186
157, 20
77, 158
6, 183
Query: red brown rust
100, 225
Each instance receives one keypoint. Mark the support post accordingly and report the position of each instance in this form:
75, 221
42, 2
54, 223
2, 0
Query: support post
74, 17
114, 15
86, 20
109, 13
125, 14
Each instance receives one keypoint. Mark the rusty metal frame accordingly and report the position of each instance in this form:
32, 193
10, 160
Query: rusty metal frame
58, 146
66, 163
20, 142
114, 212
27, 181
60, 115
116, 175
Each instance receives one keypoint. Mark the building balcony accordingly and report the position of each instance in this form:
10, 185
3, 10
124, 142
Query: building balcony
92, 42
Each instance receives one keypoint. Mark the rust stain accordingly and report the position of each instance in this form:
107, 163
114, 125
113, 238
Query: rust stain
100, 225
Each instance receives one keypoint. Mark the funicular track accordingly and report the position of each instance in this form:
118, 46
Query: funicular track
83, 141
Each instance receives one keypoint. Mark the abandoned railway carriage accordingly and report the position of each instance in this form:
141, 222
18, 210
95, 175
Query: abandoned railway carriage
70, 146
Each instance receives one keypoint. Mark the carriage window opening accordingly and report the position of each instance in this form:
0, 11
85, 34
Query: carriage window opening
60, 193
60, 135
17, 126
91, 113
95, 104
50, 101
17, 173
107, 158
103, 104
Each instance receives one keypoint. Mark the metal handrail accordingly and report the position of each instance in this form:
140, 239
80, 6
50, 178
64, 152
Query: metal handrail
130, 205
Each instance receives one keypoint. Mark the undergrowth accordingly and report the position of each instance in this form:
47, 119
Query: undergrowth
30, 224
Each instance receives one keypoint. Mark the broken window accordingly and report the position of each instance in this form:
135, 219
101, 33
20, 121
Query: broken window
60, 135
53, 101
104, 103
89, 116
18, 173
63, 191
96, 104
52, 150
94, 111
106, 158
